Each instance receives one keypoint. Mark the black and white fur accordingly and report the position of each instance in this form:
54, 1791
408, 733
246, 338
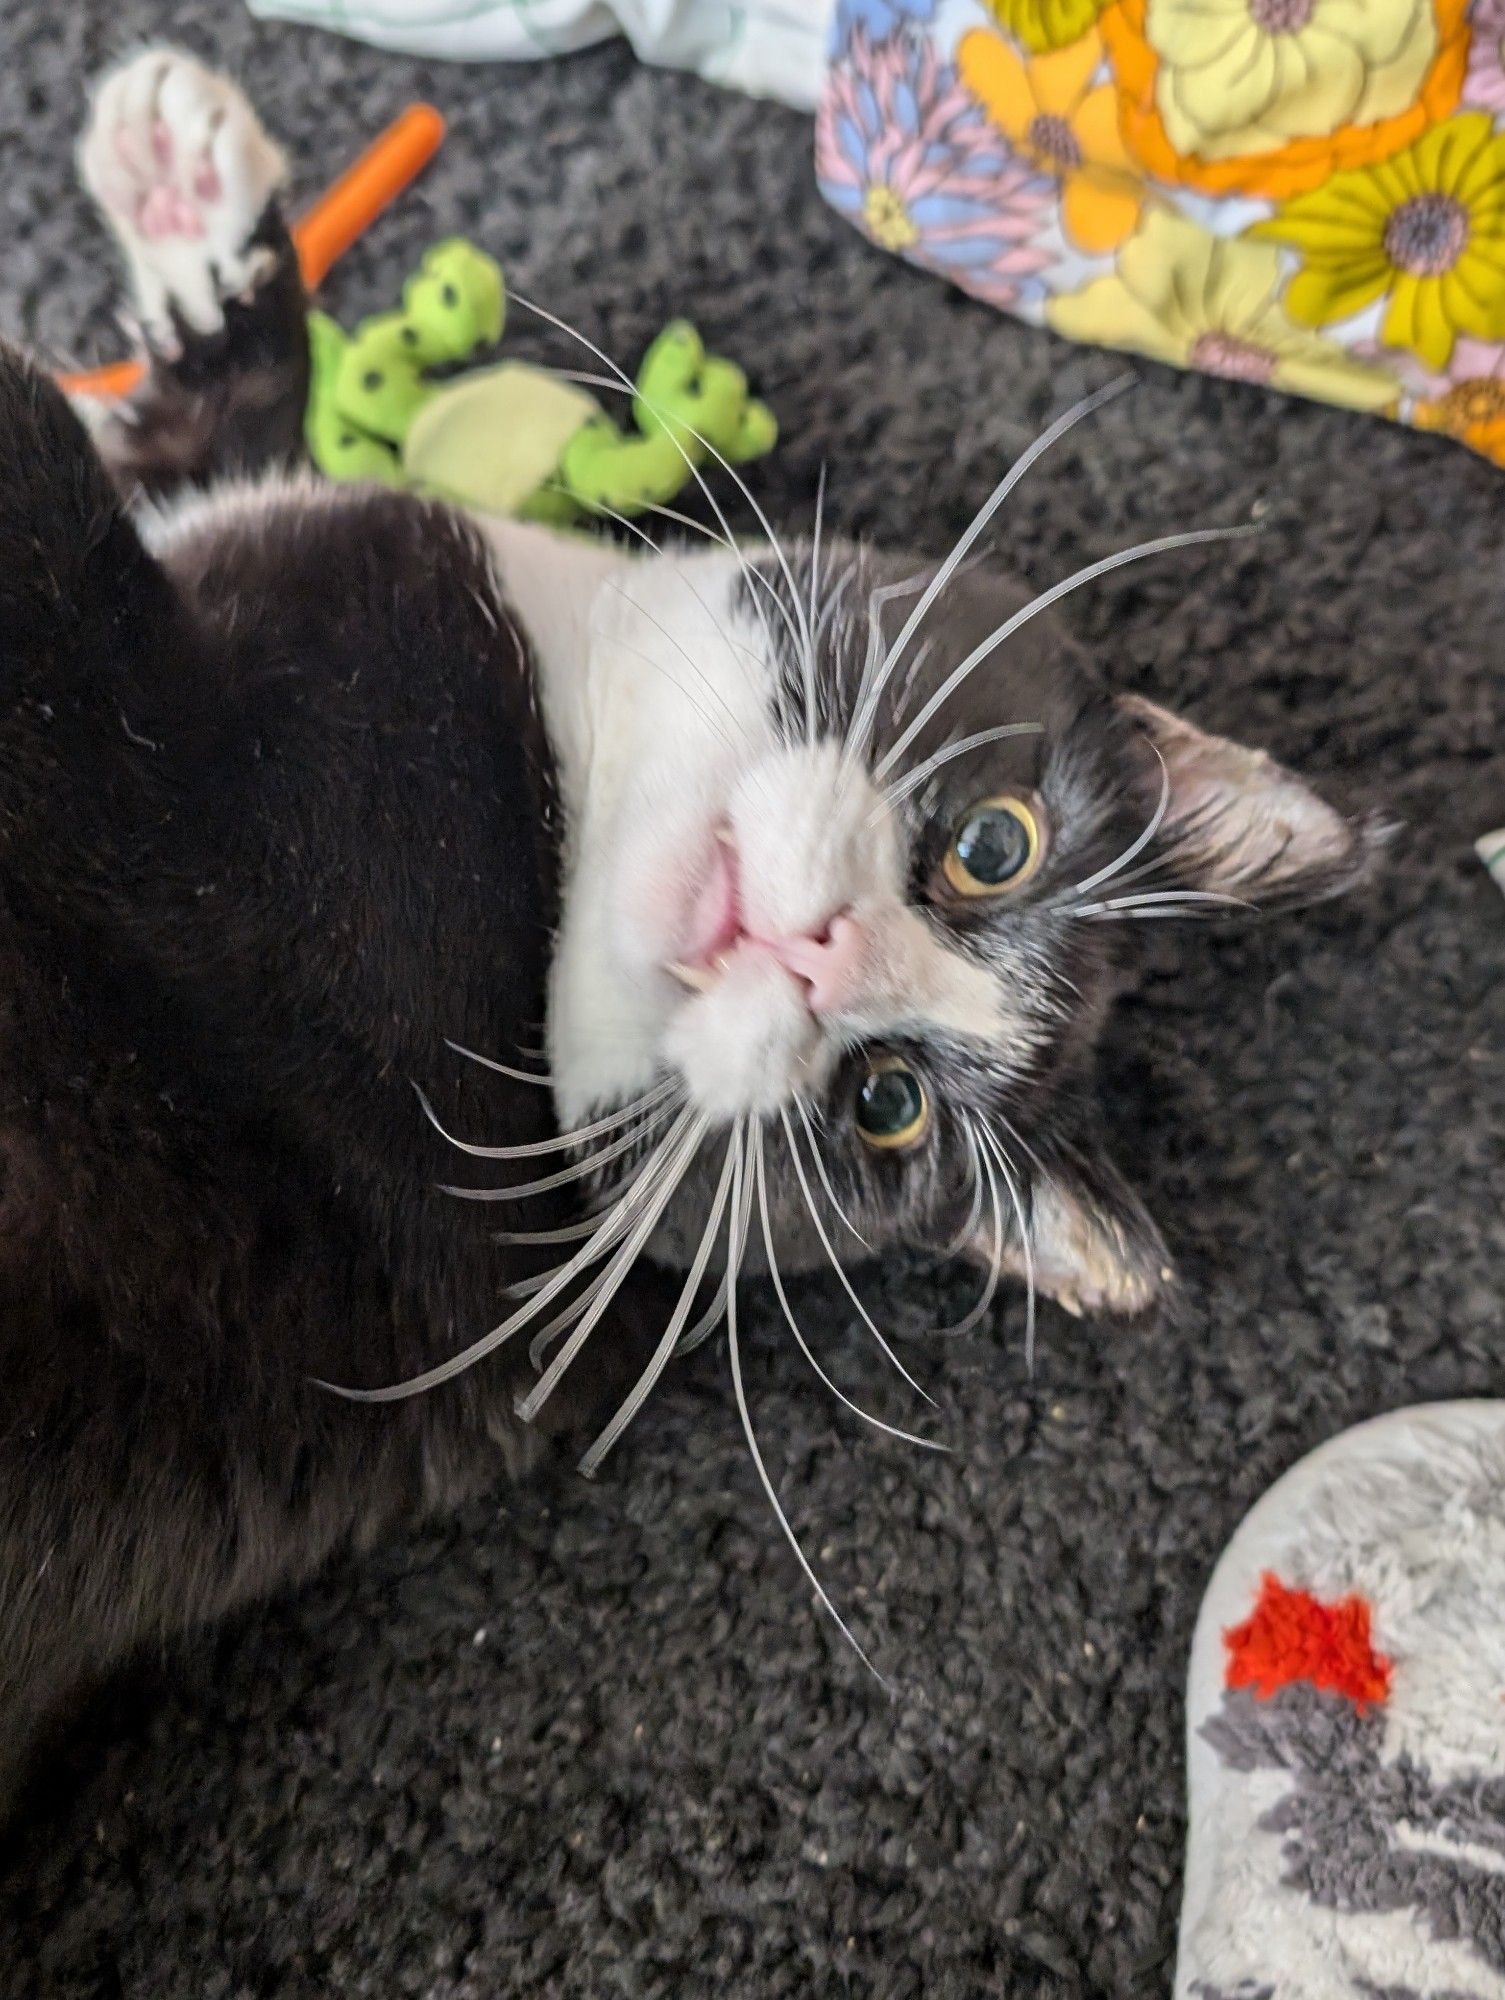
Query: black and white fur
305, 789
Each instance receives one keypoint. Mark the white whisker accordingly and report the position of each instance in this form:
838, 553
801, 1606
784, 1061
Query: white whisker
836, 1265
991, 1140
810, 622
980, 520
590, 1464
917, 777
545, 1336
825, 1178
671, 429
893, 1430
974, 1213
571, 1232
918, 661
1138, 845
872, 662
1132, 916
581, 1170
831, 606
995, 1272
710, 686
650, 1177
1157, 864
502, 1069
610, 1283
616, 639
656, 548
733, 547
708, 1322
735, 1359
565, 1141
804, 643
1161, 545
721, 541
689, 521
1150, 898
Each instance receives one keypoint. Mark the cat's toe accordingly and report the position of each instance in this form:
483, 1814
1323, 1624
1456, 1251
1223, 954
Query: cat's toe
182, 169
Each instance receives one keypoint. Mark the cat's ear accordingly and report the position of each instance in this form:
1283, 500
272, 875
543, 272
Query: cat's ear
1241, 825
1092, 1245
82, 604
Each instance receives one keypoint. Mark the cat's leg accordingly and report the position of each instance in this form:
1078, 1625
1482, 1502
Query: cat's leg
187, 180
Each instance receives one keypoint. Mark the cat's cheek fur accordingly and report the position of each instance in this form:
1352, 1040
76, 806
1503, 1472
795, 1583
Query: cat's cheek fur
659, 870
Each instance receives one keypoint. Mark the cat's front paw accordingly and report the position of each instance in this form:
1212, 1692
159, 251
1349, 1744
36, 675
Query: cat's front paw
180, 165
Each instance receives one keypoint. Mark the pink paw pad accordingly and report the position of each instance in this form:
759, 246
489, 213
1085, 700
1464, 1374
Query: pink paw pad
166, 212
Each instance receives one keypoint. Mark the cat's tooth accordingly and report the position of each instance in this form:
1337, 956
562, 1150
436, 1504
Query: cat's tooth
699, 978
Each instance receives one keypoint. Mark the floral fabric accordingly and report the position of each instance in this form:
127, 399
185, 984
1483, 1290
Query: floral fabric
1306, 194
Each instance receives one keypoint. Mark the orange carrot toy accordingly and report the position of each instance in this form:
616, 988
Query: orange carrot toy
322, 236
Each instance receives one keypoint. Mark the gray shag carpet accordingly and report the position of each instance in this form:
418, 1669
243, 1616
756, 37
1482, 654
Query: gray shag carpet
593, 1739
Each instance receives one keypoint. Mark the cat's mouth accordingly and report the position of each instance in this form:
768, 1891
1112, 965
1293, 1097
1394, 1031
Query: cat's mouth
823, 962
713, 926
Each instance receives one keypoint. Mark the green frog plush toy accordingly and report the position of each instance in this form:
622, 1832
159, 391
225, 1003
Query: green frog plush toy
513, 438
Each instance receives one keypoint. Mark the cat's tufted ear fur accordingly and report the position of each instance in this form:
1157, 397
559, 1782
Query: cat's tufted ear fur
1239, 824
1092, 1245
82, 604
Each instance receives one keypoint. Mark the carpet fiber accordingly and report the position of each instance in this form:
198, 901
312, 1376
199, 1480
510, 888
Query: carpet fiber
593, 1739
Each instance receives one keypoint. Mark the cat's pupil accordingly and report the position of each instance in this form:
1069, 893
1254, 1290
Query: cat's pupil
889, 1102
993, 845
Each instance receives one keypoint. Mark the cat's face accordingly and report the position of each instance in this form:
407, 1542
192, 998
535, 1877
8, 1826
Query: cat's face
877, 920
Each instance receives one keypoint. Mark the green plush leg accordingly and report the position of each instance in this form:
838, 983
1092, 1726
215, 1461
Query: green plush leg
687, 394
755, 436
340, 449
606, 472
552, 506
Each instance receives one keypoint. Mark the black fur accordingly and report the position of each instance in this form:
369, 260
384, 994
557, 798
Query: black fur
263, 847
222, 403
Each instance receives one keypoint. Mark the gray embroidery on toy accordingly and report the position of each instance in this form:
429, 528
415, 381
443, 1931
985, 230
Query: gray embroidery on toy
1348, 1824
1372, 1992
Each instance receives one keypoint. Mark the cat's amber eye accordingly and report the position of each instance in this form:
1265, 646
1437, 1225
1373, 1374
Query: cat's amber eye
892, 1108
995, 848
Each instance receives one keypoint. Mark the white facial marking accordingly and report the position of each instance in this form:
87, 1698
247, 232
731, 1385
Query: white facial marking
735, 908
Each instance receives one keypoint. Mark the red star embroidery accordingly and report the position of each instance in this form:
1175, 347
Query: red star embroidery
1292, 1636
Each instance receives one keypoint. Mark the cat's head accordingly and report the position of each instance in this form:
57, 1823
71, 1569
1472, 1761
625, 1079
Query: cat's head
856, 874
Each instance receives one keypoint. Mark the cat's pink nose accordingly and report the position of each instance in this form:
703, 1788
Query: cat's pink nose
826, 963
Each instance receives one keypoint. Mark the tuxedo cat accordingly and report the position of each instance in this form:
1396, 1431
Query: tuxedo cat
814, 868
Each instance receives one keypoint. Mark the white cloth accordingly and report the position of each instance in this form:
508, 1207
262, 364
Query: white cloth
765, 48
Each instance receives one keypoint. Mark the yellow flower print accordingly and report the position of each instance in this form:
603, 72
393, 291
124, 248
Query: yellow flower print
1424, 231
888, 221
1246, 76
1269, 97
1209, 302
1050, 113
1474, 413
1045, 24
